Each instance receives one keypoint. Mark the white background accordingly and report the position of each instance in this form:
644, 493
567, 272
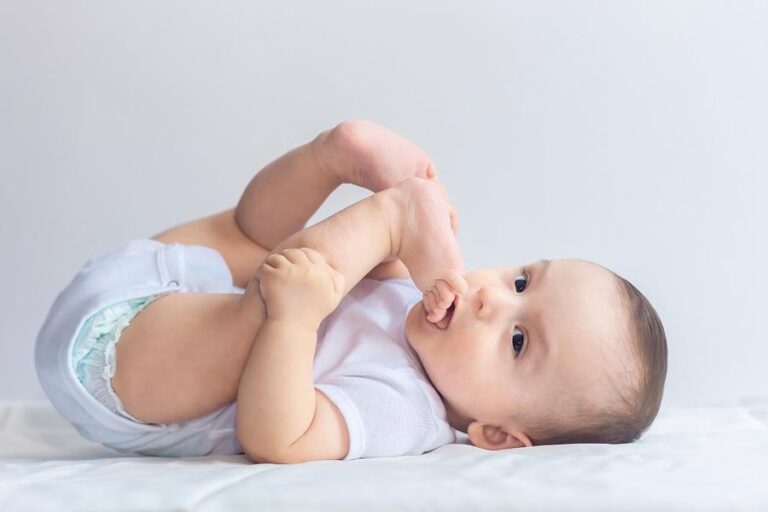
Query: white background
632, 134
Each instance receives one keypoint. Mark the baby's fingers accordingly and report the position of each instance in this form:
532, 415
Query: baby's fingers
338, 280
275, 260
313, 255
295, 255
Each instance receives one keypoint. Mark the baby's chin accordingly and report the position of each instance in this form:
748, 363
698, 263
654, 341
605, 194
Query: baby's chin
411, 321
415, 323
418, 330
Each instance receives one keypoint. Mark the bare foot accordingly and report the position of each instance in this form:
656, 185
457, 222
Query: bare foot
371, 156
427, 244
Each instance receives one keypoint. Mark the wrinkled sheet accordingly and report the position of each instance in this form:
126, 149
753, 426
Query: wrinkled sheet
705, 457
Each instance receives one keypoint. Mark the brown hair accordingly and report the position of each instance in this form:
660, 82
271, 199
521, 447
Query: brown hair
635, 404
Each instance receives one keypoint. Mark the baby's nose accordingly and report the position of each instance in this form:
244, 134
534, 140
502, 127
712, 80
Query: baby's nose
490, 300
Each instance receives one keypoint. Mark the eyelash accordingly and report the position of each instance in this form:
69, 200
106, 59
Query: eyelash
527, 282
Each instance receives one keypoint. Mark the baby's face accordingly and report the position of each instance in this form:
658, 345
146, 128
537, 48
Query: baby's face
530, 340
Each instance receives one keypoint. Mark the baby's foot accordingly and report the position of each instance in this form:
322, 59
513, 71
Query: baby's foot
438, 301
427, 243
373, 157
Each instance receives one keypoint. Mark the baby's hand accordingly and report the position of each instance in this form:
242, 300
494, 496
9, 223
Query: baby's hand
373, 157
298, 285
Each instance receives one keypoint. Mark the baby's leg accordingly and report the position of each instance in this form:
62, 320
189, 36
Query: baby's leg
352, 241
410, 221
177, 339
280, 199
426, 235
355, 239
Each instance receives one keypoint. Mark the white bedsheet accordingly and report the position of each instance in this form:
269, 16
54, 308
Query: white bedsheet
711, 457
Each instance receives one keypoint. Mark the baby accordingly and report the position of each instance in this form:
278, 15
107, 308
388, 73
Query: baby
360, 336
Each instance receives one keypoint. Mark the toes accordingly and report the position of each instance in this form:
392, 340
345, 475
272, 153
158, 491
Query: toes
454, 219
432, 304
427, 306
438, 294
458, 283
431, 172
446, 294
434, 307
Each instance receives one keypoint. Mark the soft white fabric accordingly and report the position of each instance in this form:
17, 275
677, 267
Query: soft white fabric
363, 362
94, 352
712, 457
137, 268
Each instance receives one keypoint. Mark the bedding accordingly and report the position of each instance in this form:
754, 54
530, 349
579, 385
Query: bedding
709, 456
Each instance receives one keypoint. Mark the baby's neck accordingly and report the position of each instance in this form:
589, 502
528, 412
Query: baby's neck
455, 419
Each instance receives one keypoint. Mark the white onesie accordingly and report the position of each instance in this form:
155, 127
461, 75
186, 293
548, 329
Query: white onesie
363, 361
365, 365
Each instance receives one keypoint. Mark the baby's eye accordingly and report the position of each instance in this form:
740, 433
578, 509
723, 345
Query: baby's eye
521, 278
518, 340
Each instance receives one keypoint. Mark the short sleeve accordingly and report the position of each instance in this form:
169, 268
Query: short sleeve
387, 413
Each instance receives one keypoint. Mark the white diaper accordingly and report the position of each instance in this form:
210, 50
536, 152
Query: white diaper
74, 351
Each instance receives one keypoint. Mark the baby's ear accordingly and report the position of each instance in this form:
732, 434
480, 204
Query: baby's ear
492, 437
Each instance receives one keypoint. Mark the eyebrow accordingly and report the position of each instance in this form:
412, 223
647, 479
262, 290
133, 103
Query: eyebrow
541, 268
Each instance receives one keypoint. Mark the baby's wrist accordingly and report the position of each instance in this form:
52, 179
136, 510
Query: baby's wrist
302, 315
292, 327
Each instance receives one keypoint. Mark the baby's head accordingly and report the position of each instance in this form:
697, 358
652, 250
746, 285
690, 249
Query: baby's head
560, 351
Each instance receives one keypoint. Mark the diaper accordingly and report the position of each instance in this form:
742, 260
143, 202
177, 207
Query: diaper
93, 352
75, 348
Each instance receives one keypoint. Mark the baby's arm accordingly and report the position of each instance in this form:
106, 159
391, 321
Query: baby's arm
278, 409
352, 242
277, 402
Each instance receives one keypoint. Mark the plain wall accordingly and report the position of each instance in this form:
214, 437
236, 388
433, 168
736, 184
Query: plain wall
632, 134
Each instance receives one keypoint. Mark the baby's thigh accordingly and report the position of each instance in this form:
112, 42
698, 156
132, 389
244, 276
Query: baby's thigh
182, 356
